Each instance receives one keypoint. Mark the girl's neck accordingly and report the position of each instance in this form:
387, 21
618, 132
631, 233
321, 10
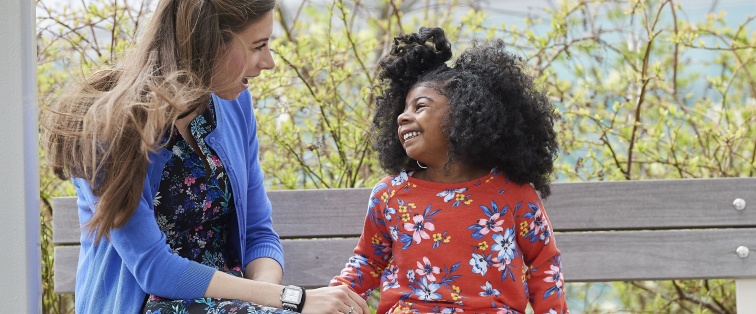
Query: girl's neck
454, 173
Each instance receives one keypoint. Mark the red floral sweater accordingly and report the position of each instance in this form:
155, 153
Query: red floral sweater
483, 246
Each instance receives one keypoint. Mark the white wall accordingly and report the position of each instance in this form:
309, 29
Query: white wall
19, 175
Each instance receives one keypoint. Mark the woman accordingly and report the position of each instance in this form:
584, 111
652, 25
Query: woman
163, 150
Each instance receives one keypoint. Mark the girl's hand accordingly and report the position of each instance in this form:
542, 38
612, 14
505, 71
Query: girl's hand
334, 300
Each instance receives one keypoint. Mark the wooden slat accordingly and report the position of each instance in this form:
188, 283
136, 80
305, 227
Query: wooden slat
64, 270
652, 204
656, 255
309, 263
586, 257
65, 221
296, 213
314, 213
621, 205
312, 263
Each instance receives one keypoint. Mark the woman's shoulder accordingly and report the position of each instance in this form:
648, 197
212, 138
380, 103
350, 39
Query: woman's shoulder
235, 115
241, 105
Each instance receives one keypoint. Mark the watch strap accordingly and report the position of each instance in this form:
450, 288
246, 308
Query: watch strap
302, 303
289, 307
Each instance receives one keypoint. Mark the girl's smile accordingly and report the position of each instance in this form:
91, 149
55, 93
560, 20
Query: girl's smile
421, 126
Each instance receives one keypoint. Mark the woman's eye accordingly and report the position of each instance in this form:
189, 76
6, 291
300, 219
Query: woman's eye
260, 47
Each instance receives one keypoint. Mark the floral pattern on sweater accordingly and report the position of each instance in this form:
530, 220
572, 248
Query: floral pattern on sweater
482, 246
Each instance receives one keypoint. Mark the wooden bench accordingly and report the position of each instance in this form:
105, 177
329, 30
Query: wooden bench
607, 231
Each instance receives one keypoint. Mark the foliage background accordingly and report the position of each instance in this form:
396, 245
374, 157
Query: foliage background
643, 89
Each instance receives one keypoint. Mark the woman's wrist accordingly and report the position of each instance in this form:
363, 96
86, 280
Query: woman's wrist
293, 298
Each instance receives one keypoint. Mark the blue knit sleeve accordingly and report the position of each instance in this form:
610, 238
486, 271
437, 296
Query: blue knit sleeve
141, 248
262, 240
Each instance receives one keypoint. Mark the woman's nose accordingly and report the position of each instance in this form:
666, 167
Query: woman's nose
267, 62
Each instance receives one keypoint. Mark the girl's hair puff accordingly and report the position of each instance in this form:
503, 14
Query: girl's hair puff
413, 55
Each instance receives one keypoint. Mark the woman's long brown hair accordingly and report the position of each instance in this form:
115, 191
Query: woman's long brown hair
104, 128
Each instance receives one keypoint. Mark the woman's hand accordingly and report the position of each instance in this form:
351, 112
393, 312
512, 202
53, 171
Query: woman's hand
334, 300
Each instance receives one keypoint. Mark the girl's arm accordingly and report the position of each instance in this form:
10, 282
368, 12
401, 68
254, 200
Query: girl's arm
535, 237
362, 273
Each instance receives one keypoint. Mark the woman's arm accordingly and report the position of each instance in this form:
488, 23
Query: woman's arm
141, 246
317, 301
261, 240
264, 269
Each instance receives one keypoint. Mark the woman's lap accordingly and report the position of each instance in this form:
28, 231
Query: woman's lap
208, 305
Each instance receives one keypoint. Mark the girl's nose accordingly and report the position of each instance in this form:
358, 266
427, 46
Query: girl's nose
403, 118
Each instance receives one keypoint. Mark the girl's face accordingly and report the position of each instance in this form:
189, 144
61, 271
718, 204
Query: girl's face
244, 57
421, 126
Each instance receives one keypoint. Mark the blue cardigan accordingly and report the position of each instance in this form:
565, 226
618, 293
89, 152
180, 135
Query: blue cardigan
115, 275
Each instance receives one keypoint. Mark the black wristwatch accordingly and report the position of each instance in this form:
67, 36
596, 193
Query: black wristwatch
293, 298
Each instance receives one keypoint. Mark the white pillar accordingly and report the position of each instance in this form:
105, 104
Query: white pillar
20, 265
745, 295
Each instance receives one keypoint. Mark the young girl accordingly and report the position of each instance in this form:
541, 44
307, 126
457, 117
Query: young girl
459, 226
163, 152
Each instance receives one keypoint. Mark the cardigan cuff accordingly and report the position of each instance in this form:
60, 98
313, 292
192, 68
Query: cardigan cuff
265, 250
195, 280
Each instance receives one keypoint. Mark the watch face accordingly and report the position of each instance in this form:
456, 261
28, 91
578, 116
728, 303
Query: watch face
292, 295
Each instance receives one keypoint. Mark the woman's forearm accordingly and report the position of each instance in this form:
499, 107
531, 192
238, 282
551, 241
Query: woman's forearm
227, 286
318, 301
264, 287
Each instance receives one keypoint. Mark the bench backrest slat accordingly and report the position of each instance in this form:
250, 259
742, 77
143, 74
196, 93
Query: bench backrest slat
651, 204
665, 229
589, 206
656, 255
65, 221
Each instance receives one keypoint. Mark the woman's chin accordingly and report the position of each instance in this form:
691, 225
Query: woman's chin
226, 95
233, 92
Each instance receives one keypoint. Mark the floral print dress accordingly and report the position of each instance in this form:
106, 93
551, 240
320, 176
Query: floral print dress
483, 246
194, 208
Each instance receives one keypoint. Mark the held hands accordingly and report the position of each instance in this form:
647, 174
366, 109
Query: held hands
334, 300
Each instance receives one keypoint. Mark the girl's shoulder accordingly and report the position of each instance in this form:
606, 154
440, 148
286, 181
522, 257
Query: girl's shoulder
512, 189
389, 181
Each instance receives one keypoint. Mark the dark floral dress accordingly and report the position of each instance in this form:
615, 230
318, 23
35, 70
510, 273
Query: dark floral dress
194, 208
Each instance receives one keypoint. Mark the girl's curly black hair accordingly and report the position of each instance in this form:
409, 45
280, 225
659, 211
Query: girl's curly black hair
497, 116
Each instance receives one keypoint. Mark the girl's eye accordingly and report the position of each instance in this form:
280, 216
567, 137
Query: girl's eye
419, 106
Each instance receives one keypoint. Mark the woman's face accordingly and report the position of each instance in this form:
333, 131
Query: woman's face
421, 126
244, 57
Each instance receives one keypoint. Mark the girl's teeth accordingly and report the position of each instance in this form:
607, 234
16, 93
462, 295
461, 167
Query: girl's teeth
410, 135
